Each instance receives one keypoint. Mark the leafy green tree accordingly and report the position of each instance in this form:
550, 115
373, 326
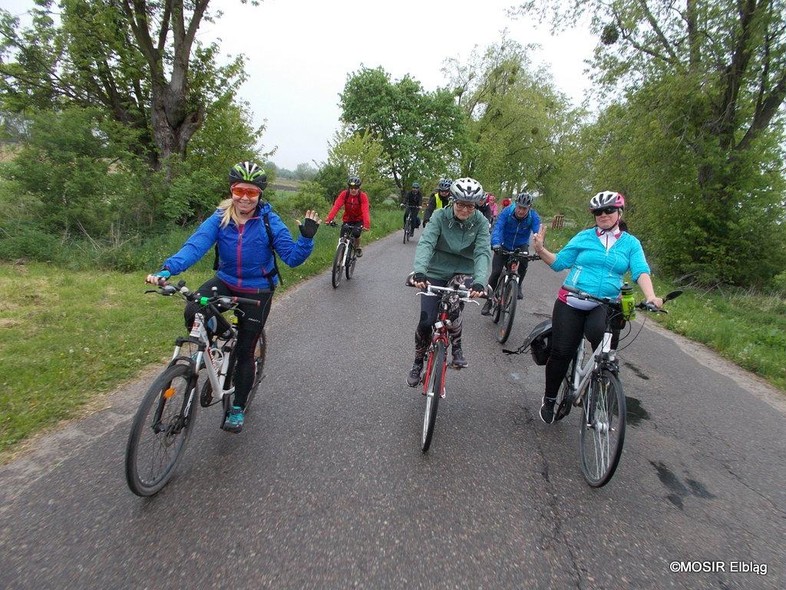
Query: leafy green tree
138, 59
518, 121
419, 132
706, 80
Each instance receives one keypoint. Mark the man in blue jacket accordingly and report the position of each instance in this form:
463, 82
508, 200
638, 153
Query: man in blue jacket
514, 226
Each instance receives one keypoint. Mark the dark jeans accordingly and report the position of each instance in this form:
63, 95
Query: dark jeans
497, 264
569, 325
250, 323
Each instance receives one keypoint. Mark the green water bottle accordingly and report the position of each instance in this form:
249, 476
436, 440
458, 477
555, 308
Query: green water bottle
628, 302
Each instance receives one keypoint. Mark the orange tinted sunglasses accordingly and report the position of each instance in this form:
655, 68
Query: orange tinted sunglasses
242, 191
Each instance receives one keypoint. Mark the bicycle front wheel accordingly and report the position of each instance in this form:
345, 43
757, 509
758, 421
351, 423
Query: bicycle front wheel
351, 261
507, 311
160, 430
407, 227
602, 429
496, 307
435, 383
338, 262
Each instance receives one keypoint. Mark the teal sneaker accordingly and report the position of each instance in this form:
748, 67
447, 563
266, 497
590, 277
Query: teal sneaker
234, 419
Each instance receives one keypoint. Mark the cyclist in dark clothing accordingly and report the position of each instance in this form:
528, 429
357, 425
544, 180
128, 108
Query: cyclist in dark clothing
438, 200
413, 202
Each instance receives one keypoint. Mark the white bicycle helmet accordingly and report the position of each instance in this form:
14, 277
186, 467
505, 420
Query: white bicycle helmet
467, 190
607, 199
524, 199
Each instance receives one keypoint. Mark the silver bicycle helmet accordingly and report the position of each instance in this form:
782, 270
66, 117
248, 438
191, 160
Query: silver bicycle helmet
607, 199
524, 199
444, 184
467, 190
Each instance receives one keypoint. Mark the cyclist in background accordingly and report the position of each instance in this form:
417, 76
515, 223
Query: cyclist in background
356, 212
413, 201
438, 200
512, 230
456, 242
597, 258
249, 234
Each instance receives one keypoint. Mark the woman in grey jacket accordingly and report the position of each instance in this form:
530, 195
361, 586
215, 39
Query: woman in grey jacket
455, 242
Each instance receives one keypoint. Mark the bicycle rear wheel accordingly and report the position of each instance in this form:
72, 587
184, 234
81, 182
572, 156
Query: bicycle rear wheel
160, 430
435, 383
507, 312
259, 365
338, 261
602, 429
566, 394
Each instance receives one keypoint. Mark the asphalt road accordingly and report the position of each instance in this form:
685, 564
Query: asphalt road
327, 486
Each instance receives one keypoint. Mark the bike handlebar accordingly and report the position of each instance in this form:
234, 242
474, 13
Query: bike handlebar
643, 305
522, 254
226, 301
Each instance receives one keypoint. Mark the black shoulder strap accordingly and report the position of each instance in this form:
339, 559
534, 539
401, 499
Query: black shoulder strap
266, 220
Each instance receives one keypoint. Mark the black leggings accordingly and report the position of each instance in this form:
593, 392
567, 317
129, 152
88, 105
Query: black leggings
498, 262
429, 308
569, 325
250, 323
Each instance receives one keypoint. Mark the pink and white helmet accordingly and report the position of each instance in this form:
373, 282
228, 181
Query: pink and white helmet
607, 199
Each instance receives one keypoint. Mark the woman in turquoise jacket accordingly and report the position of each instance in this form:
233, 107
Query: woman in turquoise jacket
248, 235
598, 258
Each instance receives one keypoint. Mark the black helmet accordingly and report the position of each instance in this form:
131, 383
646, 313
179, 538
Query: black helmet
248, 172
540, 343
354, 181
416, 185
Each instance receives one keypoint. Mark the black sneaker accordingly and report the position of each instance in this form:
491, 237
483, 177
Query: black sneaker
414, 375
520, 296
458, 359
547, 410
486, 309
358, 252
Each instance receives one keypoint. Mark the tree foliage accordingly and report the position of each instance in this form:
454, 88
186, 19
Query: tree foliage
704, 82
518, 122
419, 131
137, 59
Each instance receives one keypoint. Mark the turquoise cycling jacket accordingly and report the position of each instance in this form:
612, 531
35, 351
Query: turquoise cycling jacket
596, 271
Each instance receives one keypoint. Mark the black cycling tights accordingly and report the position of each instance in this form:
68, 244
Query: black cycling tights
251, 322
569, 326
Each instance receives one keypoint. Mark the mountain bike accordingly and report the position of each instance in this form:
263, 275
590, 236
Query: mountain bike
505, 296
592, 383
345, 258
409, 224
436, 360
166, 417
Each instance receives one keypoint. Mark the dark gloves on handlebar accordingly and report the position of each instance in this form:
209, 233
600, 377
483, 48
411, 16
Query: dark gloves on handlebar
419, 277
308, 228
480, 288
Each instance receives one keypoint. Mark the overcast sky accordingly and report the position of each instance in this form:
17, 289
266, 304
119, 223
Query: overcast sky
299, 53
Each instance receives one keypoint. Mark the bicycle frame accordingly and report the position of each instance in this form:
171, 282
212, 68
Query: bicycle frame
580, 378
439, 334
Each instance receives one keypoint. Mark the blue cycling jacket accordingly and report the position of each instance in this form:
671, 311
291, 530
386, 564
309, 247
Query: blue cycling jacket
511, 232
246, 261
597, 271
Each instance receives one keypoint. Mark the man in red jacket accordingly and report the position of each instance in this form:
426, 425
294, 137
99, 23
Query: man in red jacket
356, 213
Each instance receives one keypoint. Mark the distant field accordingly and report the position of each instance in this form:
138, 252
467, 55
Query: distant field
284, 184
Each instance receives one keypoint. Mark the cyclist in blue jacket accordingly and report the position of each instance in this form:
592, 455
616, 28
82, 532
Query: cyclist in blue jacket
512, 230
598, 258
249, 234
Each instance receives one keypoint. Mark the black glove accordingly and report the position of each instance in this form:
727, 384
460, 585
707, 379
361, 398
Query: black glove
480, 288
419, 277
308, 228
